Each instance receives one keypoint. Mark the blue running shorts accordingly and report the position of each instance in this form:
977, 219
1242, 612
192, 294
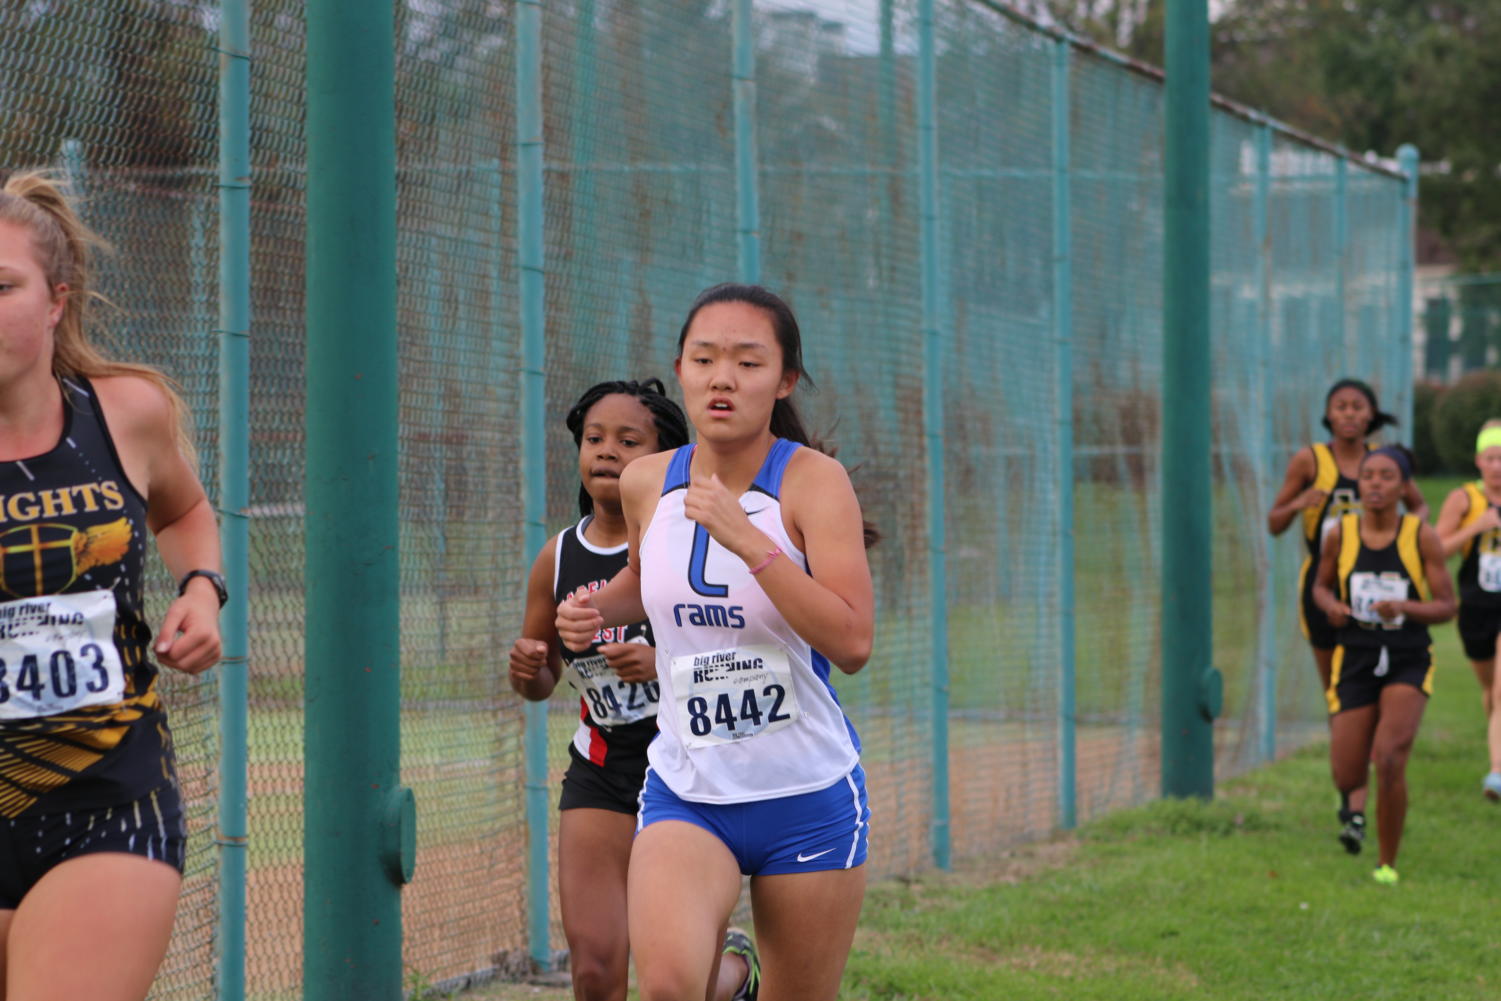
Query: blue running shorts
809, 832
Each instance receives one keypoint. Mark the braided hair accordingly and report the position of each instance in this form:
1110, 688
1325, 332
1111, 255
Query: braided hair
671, 423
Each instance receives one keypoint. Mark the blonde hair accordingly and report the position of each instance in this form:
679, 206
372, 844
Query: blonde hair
64, 248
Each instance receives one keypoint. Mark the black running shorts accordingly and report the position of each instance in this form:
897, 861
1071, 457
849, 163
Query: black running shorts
1478, 627
1361, 672
32, 844
615, 787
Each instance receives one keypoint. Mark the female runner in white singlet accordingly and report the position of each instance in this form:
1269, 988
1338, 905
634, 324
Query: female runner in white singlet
747, 552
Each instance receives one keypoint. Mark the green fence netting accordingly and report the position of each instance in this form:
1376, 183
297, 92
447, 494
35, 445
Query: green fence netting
1459, 326
640, 214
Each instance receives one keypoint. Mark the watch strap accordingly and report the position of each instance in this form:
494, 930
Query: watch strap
212, 576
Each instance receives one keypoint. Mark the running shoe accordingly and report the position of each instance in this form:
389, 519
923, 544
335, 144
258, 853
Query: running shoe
1352, 835
1386, 876
1492, 786
738, 943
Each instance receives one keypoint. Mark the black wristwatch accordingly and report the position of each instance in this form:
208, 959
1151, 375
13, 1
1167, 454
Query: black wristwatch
213, 577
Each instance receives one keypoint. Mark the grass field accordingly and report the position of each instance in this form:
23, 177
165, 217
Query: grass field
1246, 897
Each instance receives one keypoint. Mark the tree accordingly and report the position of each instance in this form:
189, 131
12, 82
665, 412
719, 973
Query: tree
1369, 74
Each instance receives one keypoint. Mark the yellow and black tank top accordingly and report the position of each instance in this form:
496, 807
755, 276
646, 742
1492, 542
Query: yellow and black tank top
80, 722
1479, 575
1343, 497
1368, 576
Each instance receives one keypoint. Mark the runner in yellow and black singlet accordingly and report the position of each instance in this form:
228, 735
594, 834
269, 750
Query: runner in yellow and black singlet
81, 725
1319, 489
1382, 582
1470, 523
94, 458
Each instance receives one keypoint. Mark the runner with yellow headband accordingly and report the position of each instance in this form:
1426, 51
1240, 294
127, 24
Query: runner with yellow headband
1470, 523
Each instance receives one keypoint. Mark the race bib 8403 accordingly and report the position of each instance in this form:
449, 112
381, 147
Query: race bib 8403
57, 654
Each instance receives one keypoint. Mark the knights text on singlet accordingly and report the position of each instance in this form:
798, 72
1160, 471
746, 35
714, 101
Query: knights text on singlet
80, 722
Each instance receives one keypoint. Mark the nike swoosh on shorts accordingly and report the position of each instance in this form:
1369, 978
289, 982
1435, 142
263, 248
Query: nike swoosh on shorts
809, 858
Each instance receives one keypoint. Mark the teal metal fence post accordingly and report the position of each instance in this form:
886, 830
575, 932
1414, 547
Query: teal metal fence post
1267, 632
1189, 684
1063, 333
747, 159
359, 826
932, 418
234, 486
890, 152
1407, 160
531, 276
1348, 352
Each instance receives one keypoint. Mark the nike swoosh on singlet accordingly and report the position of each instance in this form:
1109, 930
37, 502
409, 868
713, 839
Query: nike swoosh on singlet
809, 858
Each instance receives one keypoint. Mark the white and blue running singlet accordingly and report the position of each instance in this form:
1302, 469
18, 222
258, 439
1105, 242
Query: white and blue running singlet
747, 712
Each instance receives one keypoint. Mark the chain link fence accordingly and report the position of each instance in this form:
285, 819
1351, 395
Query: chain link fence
1050, 251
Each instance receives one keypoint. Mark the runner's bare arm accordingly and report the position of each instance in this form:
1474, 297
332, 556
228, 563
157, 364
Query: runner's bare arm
1451, 535
833, 605
1328, 579
1440, 606
177, 512
1295, 494
535, 664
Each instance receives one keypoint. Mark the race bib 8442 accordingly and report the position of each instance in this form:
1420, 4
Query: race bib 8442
728, 695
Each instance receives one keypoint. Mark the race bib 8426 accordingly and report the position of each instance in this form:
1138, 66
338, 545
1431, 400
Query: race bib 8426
611, 701
57, 654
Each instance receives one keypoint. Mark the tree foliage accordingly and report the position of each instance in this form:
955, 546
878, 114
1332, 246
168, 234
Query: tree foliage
1369, 74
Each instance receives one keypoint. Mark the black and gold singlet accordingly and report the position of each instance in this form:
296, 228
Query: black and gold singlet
1370, 576
1343, 498
80, 722
1479, 576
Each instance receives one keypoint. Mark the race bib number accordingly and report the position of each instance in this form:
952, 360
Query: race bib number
57, 654
1490, 572
734, 694
1368, 590
611, 702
